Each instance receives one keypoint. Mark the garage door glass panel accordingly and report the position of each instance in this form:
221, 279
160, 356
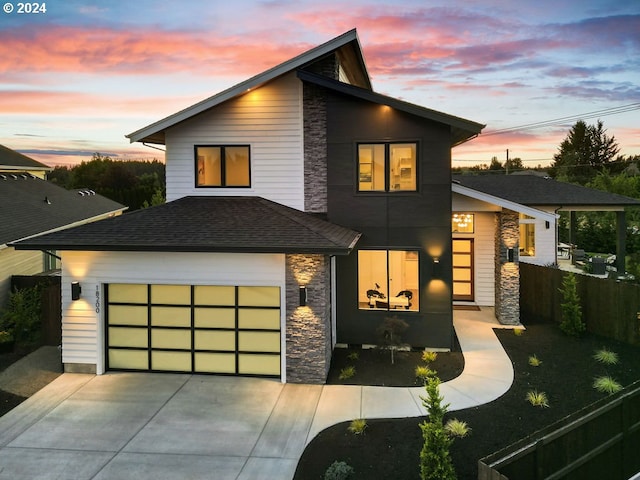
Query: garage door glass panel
129, 359
171, 294
215, 340
215, 362
128, 315
215, 318
259, 296
127, 293
171, 338
214, 295
170, 317
128, 337
259, 341
259, 318
171, 361
259, 364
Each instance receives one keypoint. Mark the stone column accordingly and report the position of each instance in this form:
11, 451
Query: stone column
507, 274
308, 330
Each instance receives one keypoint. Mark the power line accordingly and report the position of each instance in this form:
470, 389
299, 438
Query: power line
559, 121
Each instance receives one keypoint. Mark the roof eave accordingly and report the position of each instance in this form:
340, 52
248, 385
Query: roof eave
154, 133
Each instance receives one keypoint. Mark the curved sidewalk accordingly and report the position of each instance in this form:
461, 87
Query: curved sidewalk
487, 375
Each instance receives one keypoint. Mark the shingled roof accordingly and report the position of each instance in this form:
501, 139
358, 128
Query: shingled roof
30, 206
538, 191
207, 224
12, 160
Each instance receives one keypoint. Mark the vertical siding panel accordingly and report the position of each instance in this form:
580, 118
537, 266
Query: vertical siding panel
269, 119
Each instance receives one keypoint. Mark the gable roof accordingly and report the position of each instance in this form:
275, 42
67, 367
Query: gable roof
12, 160
539, 191
206, 224
461, 129
31, 206
346, 45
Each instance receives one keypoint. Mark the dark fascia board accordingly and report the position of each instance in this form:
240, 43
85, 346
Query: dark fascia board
471, 129
154, 133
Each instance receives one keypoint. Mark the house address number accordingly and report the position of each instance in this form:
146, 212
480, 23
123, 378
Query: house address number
97, 298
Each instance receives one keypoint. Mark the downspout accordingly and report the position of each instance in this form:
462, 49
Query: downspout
556, 234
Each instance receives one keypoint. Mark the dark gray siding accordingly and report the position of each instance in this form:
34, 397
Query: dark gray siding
409, 220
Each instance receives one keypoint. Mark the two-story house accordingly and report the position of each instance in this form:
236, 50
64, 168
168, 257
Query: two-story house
303, 209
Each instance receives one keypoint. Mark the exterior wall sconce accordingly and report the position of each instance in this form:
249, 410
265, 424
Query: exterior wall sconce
303, 296
437, 268
510, 255
76, 290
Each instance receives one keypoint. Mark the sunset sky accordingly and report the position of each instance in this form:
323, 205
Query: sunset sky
76, 79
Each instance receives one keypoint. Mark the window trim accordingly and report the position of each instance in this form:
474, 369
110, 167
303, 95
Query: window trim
222, 147
387, 159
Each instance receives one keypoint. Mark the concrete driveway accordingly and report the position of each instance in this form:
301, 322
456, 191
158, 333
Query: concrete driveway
169, 426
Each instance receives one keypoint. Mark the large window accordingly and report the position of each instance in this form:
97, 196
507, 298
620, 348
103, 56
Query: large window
387, 167
462, 223
223, 166
527, 236
388, 280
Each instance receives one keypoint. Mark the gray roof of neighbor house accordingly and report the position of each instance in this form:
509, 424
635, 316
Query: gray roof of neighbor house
538, 191
31, 206
207, 224
12, 160
347, 46
461, 129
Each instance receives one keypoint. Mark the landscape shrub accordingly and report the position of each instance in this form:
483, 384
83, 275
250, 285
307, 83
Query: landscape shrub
21, 318
338, 470
570, 310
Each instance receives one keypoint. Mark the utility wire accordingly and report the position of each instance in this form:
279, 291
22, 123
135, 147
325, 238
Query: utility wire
559, 121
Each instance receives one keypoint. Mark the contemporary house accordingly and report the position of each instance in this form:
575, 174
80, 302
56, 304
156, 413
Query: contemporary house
30, 206
303, 209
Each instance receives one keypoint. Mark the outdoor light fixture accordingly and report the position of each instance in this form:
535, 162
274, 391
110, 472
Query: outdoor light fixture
75, 290
437, 270
303, 296
510, 255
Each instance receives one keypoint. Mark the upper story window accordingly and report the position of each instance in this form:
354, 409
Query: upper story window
222, 166
387, 167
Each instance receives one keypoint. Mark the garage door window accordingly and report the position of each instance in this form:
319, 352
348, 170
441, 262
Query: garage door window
205, 329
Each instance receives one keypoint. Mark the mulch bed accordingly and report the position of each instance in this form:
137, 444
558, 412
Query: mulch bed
8, 401
390, 449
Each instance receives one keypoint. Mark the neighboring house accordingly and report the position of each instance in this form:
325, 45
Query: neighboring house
12, 162
303, 209
30, 206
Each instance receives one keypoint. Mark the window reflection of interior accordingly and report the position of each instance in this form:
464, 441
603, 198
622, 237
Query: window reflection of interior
462, 223
527, 236
388, 280
387, 167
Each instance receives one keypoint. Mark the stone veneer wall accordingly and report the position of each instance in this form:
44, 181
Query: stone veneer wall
315, 137
507, 274
308, 330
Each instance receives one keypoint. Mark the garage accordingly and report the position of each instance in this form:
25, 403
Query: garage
214, 329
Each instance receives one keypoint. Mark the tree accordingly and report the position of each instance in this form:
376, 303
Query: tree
495, 164
390, 333
514, 164
570, 310
584, 152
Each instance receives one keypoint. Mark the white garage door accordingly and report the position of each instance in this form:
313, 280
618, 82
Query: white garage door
231, 330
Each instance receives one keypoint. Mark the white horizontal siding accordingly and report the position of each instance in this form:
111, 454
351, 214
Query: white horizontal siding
269, 119
83, 320
546, 244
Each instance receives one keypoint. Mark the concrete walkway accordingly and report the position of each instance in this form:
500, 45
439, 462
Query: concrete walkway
157, 426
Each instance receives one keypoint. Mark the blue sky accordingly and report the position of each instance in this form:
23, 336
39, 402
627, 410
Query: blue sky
76, 79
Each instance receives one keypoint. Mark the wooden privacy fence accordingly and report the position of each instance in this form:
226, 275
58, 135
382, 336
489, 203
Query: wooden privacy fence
601, 442
609, 307
51, 304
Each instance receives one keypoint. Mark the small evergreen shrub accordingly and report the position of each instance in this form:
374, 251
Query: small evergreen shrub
606, 385
605, 356
537, 399
338, 471
357, 426
423, 373
534, 361
353, 356
347, 372
429, 357
570, 310
21, 318
457, 428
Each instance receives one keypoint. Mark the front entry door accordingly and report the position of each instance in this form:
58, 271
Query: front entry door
463, 269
